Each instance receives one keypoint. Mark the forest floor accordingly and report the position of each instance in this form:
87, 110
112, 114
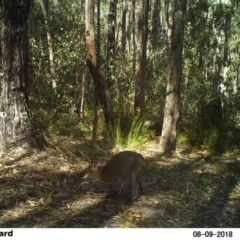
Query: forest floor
45, 189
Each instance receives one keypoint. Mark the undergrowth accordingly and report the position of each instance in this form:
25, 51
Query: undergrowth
131, 137
131, 133
212, 139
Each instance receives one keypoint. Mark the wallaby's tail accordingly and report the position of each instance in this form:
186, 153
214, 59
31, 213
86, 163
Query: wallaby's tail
147, 184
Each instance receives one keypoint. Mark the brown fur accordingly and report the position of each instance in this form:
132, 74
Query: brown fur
123, 165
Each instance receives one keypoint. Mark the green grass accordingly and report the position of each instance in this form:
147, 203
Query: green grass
210, 141
131, 137
206, 139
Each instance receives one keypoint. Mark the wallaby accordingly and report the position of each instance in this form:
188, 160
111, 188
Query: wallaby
120, 167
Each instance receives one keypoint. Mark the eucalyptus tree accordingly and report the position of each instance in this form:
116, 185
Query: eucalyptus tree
111, 42
172, 104
98, 78
211, 59
44, 7
140, 77
16, 127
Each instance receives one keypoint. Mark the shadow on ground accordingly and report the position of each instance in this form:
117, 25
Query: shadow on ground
189, 193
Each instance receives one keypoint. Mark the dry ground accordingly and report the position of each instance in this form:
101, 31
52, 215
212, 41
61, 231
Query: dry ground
44, 189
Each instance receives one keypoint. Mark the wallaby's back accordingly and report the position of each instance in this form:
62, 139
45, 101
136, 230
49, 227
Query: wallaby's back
122, 165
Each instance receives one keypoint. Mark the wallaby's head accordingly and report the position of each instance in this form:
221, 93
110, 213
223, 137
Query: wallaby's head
91, 171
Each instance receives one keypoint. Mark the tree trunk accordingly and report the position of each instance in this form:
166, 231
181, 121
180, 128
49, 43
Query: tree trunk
44, 6
171, 114
95, 99
111, 48
124, 34
156, 24
142, 37
16, 128
168, 24
134, 44
98, 78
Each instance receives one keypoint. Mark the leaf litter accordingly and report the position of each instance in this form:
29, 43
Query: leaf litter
46, 190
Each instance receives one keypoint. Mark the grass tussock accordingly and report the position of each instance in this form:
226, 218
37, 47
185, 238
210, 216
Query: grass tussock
208, 139
129, 137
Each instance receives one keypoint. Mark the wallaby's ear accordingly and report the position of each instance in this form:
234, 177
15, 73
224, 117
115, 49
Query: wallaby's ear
94, 166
